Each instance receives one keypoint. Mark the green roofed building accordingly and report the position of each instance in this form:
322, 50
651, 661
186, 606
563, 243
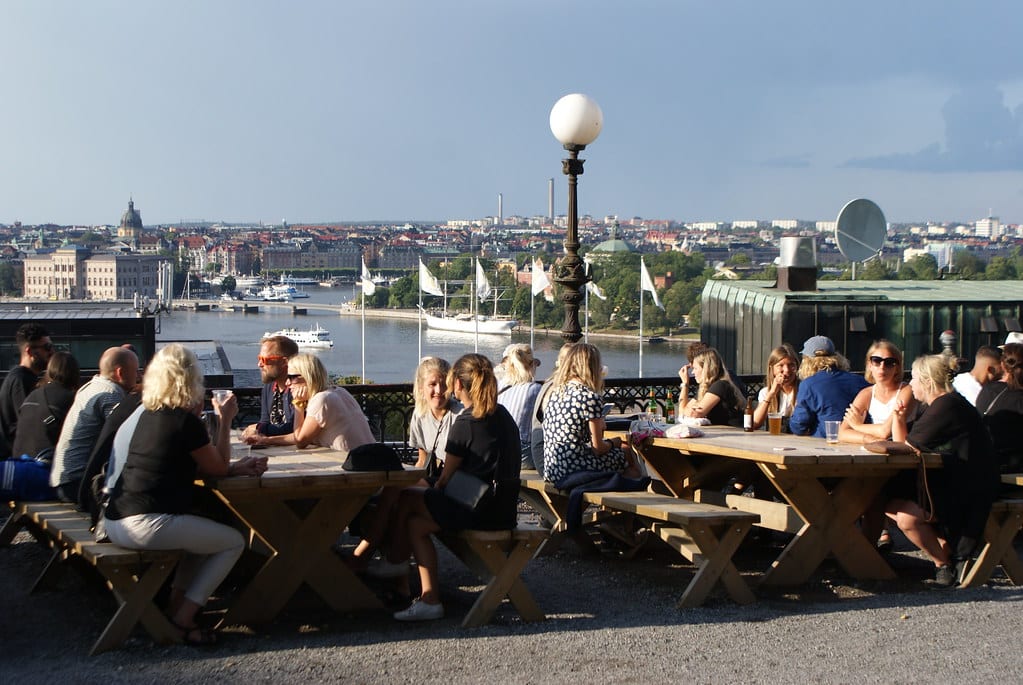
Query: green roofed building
745, 319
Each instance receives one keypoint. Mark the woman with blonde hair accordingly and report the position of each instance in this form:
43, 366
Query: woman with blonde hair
962, 489
324, 416
781, 382
718, 399
149, 505
869, 417
517, 391
573, 422
483, 443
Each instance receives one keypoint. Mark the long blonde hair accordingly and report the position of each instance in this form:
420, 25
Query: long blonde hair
778, 354
428, 367
476, 374
312, 371
878, 345
581, 363
519, 364
173, 380
932, 370
714, 370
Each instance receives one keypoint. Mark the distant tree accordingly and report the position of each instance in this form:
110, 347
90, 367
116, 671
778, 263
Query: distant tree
920, 268
739, 259
257, 265
9, 284
1000, 269
228, 283
874, 270
967, 264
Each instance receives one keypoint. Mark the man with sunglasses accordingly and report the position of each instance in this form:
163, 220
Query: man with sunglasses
35, 349
276, 415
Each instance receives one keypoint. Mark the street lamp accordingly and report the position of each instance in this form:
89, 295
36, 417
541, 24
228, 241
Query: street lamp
576, 121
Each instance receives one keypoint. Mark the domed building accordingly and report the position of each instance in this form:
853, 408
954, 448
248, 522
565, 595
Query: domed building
131, 224
612, 246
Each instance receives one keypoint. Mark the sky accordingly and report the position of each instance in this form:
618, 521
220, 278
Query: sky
393, 110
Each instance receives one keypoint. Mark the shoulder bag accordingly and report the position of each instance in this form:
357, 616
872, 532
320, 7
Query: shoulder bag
466, 489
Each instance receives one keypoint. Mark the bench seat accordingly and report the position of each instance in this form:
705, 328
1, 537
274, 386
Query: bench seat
705, 534
1003, 523
133, 576
498, 557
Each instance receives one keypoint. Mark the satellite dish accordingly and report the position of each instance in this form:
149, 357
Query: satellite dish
860, 230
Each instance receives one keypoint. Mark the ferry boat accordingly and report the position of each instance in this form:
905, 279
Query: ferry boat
288, 279
289, 291
316, 337
465, 324
242, 282
270, 294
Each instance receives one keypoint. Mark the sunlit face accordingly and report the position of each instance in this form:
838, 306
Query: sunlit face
884, 364
273, 366
435, 391
918, 387
785, 371
698, 371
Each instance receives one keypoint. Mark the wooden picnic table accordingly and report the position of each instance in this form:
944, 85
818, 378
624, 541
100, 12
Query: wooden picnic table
827, 487
299, 537
1013, 479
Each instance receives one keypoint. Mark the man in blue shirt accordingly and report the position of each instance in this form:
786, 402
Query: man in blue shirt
826, 387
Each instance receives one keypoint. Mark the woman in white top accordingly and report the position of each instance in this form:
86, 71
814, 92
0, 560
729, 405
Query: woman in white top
869, 417
780, 385
324, 416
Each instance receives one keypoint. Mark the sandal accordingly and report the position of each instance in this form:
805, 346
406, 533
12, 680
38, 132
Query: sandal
884, 542
194, 636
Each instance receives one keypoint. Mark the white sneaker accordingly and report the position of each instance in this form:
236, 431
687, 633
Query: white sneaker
381, 568
421, 611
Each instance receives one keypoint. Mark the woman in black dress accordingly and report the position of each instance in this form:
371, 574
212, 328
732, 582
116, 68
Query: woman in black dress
962, 490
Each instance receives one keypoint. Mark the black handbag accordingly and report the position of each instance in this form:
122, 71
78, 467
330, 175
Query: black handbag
466, 489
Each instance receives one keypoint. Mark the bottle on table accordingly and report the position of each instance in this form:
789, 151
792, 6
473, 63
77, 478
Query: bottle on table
651, 405
747, 417
669, 409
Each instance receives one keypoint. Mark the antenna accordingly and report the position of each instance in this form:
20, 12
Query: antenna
860, 231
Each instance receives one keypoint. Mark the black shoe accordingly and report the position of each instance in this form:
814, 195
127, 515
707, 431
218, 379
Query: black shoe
945, 576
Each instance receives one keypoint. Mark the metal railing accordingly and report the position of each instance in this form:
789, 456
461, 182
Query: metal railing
389, 407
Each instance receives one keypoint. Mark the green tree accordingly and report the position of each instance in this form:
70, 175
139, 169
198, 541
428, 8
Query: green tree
874, 270
228, 283
920, 268
1000, 269
968, 265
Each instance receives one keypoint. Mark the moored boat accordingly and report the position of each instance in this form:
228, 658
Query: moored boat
465, 324
316, 337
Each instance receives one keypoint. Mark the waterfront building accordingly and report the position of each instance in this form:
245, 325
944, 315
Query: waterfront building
73, 272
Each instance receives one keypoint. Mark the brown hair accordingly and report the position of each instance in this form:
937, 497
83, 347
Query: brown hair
286, 347
476, 374
714, 370
63, 370
1012, 364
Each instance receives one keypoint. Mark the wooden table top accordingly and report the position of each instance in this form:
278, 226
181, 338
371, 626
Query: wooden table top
1012, 478
784, 450
290, 467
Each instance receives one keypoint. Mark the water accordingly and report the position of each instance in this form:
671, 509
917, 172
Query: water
392, 344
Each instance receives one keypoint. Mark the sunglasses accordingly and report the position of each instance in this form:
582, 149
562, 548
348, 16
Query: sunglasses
272, 359
890, 362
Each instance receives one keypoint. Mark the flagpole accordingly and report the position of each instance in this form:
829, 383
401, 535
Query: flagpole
475, 315
420, 318
586, 314
364, 335
641, 319
532, 331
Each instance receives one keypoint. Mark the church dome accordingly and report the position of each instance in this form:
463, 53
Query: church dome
614, 244
131, 217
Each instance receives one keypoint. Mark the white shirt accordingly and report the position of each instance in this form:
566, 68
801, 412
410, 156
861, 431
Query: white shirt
967, 386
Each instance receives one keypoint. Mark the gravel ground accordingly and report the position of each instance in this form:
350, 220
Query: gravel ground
609, 620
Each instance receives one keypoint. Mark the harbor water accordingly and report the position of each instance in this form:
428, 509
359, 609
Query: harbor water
391, 344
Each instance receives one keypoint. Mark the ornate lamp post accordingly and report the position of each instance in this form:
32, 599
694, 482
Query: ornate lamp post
576, 121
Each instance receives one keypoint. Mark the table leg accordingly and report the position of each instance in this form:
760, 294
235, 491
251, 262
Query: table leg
999, 532
301, 554
830, 527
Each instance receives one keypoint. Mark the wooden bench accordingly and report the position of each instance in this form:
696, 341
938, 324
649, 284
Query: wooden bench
1003, 523
498, 557
133, 576
705, 534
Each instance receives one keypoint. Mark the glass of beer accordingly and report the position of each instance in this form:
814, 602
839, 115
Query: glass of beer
774, 422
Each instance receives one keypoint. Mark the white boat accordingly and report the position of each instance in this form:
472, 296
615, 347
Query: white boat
289, 291
288, 279
465, 324
316, 337
270, 294
241, 282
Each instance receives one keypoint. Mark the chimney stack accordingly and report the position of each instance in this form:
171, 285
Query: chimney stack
797, 267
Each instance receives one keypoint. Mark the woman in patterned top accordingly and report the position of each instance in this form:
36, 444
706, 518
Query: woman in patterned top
573, 422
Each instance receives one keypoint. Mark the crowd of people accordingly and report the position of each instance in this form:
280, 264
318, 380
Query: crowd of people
140, 436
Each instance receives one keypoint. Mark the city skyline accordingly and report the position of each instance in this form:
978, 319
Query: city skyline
248, 112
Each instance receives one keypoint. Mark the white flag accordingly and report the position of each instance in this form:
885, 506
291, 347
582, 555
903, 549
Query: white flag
540, 280
595, 290
482, 284
368, 286
427, 282
647, 283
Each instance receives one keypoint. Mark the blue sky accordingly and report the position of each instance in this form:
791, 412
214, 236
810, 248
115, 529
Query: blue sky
394, 110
